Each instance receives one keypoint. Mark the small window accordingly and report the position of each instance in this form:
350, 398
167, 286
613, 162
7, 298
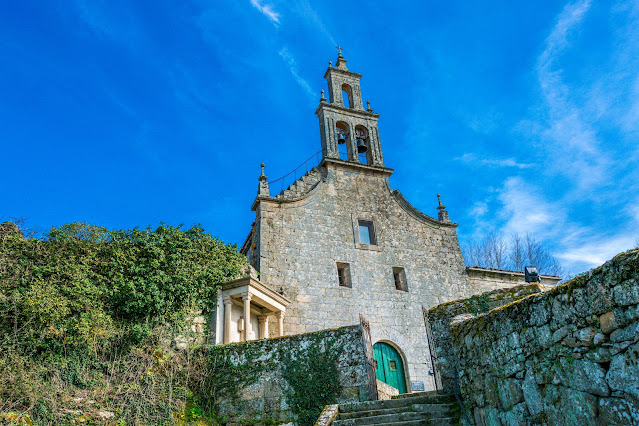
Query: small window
399, 276
343, 274
393, 365
367, 232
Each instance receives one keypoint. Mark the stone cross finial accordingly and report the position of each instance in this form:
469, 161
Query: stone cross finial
322, 99
368, 106
341, 62
442, 214
263, 189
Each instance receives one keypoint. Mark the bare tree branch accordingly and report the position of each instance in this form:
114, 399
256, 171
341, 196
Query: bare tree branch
493, 251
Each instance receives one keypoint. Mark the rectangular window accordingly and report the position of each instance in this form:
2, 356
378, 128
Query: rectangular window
400, 279
367, 232
344, 274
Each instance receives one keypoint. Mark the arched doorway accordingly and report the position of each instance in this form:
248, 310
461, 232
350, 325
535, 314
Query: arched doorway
389, 367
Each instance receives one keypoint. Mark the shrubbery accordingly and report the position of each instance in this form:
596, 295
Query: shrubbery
88, 317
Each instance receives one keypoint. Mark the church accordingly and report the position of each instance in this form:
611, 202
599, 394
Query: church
340, 243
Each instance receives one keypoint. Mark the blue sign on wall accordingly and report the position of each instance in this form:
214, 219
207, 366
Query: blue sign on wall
417, 386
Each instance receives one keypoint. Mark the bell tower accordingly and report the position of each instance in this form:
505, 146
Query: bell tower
349, 132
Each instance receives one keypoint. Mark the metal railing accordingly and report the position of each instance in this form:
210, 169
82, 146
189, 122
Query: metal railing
299, 171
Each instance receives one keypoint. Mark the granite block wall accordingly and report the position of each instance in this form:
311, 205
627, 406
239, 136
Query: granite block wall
266, 399
439, 318
566, 356
301, 240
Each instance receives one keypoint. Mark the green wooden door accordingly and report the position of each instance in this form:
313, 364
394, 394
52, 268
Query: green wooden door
389, 367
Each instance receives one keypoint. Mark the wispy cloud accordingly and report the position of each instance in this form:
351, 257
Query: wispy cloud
595, 251
478, 209
495, 162
568, 128
268, 11
289, 60
525, 210
307, 12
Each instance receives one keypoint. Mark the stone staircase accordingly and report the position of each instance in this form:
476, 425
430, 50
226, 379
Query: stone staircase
420, 408
303, 185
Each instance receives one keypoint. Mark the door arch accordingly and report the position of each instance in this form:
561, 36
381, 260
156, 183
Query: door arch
389, 367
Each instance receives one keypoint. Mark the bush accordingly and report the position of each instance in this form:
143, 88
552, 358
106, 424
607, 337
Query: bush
85, 310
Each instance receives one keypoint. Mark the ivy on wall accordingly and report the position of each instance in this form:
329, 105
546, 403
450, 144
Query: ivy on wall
313, 376
479, 304
225, 371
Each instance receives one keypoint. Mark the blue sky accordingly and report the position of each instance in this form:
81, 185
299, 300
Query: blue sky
523, 115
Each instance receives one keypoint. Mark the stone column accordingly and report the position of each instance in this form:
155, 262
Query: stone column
352, 142
263, 319
280, 323
227, 319
246, 297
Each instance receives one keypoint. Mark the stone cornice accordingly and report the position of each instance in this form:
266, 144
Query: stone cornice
252, 282
337, 108
478, 270
356, 165
413, 211
339, 71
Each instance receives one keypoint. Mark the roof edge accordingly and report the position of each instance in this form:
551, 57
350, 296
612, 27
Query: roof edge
414, 211
506, 272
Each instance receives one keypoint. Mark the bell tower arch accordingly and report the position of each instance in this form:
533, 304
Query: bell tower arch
348, 131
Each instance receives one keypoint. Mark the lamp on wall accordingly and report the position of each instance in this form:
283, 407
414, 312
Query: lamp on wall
531, 274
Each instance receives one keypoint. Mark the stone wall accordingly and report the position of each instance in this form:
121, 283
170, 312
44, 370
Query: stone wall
301, 240
486, 279
566, 356
267, 398
439, 318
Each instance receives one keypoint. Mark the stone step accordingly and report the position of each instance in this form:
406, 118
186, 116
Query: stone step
357, 414
299, 188
385, 418
415, 394
435, 410
448, 421
302, 185
398, 402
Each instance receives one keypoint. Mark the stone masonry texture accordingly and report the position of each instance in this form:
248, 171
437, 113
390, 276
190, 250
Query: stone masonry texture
299, 241
440, 317
266, 401
566, 356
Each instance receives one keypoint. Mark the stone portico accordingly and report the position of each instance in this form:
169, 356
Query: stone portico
245, 308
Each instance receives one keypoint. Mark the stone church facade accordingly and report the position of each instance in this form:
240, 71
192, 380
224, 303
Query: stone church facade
340, 243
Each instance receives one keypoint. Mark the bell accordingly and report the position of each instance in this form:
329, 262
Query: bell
341, 138
361, 146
